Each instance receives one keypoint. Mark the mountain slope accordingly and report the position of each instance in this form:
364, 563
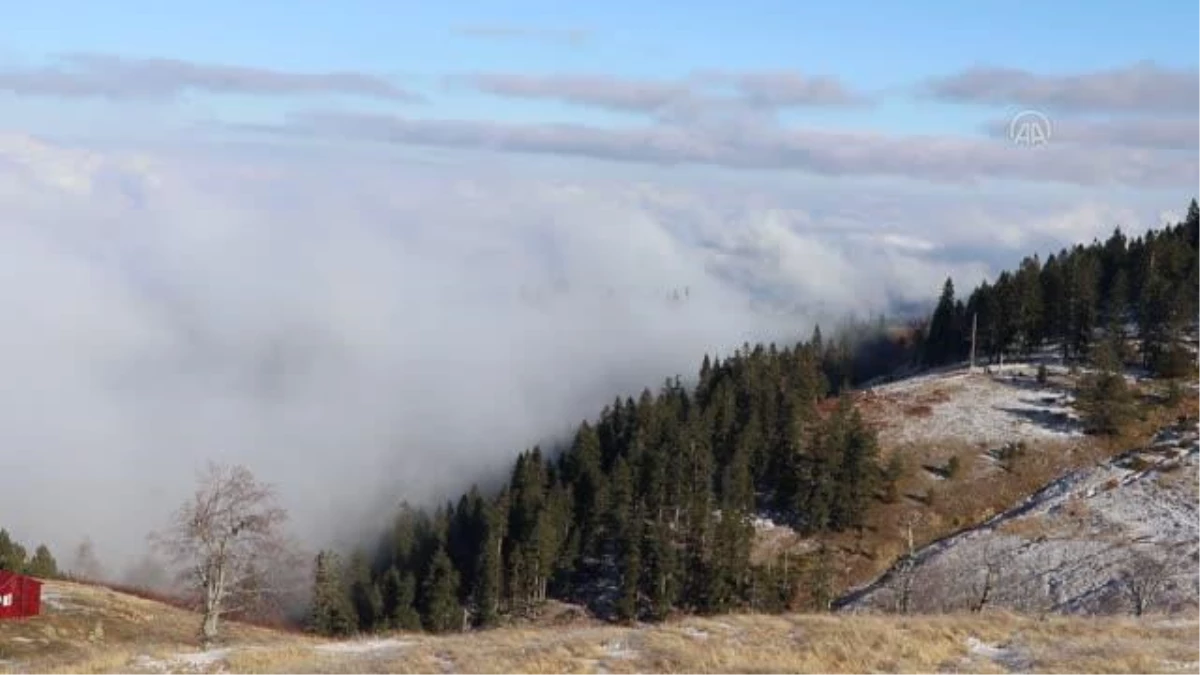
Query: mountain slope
89, 629
1096, 540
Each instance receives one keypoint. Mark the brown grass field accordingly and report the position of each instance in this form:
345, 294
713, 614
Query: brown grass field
90, 629
939, 507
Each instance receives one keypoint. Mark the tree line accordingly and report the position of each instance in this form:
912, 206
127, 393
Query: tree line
15, 558
649, 510
1142, 291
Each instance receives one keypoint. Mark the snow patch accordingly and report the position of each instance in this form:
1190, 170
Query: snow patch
618, 649
973, 407
55, 601
1070, 546
1010, 658
212, 660
363, 646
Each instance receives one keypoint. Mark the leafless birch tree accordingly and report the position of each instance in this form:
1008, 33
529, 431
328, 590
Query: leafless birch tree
227, 540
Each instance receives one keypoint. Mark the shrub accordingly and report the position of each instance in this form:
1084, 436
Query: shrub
1174, 393
891, 474
953, 467
1175, 361
1106, 402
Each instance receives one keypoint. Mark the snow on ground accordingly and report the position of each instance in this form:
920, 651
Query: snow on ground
975, 407
211, 660
1006, 656
1072, 546
55, 601
363, 646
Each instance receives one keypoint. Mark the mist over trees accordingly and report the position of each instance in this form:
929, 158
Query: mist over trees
649, 511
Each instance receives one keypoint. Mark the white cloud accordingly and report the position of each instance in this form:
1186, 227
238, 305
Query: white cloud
359, 330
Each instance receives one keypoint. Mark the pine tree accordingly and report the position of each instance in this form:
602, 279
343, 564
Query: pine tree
660, 583
1028, 292
1192, 224
1054, 298
330, 611
42, 565
1104, 398
399, 598
1082, 282
858, 469
734, 535
944, 342
630, 563
584, 470
621, 499
12, 554
439, 595
364, 594
556, 560
489, 571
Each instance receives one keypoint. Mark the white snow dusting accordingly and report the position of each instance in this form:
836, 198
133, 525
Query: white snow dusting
976, 407
363, 646
1071, 546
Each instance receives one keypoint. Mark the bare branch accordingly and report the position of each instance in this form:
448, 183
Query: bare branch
228, 542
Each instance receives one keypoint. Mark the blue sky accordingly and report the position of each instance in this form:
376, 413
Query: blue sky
878, 47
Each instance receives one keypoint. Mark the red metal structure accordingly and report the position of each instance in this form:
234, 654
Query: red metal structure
20, 596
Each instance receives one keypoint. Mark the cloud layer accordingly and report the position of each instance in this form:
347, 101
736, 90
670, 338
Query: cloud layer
931, 158
361, 326
360, 331
757, 89
1141, 87
124, 78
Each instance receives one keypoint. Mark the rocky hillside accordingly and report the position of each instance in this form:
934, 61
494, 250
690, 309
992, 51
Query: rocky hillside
1119, 537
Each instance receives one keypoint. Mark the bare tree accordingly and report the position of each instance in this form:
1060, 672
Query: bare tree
1143, 578
86, 565
991, 573
226, 539
907, 564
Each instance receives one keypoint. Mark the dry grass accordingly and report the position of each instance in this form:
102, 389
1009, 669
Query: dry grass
96, 629
793, 643
144, 636
981, 489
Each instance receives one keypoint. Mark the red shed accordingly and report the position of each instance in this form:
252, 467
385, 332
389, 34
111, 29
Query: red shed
20, 596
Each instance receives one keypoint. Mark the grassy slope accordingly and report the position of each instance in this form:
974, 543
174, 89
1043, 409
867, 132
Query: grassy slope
938, 507
144, 636
90, 629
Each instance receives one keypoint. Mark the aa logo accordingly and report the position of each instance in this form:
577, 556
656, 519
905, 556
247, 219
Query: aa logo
1029, 128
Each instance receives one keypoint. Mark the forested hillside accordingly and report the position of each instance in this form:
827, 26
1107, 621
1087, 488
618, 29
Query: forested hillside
1143, 289
650, 508
648, 511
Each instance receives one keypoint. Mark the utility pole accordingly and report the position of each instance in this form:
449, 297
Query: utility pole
974, 325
